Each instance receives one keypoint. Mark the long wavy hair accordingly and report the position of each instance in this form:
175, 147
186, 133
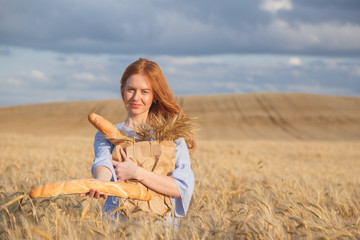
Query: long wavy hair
164, 104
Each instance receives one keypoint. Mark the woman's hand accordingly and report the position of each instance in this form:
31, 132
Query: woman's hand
100, 173
126, 169
94, 193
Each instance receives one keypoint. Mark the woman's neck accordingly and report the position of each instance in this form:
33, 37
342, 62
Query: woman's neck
133, 122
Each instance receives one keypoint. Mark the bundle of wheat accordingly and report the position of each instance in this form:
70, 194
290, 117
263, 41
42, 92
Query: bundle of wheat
166, 128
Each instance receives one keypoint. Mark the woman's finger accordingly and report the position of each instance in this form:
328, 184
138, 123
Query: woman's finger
115, 163
123, 154
91, 193
97, 194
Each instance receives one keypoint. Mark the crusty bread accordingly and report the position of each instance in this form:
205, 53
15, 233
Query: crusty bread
108, 129
119, 189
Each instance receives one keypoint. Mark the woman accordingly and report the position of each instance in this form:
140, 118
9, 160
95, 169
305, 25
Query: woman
146, 96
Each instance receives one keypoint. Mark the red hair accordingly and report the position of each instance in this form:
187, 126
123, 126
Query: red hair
165, 103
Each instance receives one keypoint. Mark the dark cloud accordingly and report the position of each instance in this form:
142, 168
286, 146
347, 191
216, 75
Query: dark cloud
181, 27
203, 47
319, 11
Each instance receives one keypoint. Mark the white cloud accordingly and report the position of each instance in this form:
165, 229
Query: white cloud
84, 76
38, 76
294, 61
186, 60
273, 6
14, 81
81, 61
91, 78
357, 71
34, 76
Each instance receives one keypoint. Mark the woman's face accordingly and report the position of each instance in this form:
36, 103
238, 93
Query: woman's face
138, 96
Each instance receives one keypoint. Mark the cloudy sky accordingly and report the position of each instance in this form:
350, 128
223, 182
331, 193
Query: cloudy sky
77, 50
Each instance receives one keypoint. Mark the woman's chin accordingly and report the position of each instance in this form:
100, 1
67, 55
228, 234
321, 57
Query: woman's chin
137, 112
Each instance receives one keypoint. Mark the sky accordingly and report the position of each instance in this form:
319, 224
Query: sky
53, 51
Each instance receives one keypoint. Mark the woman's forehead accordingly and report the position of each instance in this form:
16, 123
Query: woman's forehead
138, 81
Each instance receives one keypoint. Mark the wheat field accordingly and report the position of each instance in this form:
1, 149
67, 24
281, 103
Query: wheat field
287, 174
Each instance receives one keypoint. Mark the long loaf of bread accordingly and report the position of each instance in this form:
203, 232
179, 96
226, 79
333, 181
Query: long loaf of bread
119, 189
108, 129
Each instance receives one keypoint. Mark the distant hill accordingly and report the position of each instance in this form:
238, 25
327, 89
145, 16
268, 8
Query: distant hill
282, 116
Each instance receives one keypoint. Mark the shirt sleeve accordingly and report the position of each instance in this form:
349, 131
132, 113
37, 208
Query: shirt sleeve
103, 149
184, 178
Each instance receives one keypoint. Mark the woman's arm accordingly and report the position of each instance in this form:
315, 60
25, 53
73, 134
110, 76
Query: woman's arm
184, 178
101, 168
162, 184
102, 161
102, 173
129, 170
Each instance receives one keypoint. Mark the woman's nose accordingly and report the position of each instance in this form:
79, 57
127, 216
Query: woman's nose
136, 95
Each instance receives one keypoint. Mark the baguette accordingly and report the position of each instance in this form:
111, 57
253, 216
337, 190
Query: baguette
118, 189
108, 129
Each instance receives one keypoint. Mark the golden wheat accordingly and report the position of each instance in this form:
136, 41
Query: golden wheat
244, 189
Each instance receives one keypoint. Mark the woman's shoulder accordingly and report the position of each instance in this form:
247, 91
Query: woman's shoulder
180, 143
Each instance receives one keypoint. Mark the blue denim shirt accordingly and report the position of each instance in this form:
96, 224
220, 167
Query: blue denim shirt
182, 174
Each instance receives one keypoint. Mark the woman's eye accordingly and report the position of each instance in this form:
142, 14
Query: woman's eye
146, 92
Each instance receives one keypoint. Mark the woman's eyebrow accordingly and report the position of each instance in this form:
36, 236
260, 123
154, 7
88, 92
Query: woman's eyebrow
129, 86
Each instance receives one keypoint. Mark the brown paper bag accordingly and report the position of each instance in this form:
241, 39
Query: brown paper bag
158, 157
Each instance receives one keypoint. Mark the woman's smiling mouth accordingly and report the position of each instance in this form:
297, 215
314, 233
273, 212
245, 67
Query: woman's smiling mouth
135, 105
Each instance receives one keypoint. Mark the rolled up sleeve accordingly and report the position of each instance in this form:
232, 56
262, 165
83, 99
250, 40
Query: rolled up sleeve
184, 178
103, 149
